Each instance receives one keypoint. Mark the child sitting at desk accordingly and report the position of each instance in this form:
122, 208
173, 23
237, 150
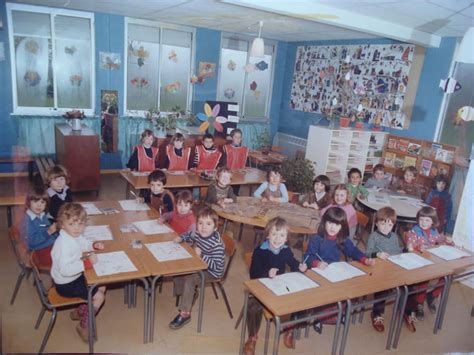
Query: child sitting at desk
330, 243
207, 156
440, 199
355, 184
144, 156
220, 191
408, 185
209, 246
320, 198
58, 191
182, 218
273, 189
378, 179
268, 260
160, 199
69, 264
177, 156
422, 236
382, 243
235, 153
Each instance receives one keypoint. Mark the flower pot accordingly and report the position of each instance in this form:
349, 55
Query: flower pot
344, 122
359, 125
76, 124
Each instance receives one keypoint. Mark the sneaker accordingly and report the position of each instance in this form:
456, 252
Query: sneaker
432, 307
377, 323
410, 321
179, 321
318, 327
83, 333
420, 314
249, 346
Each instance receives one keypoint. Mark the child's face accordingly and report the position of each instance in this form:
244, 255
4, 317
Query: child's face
206, 226
208, 143
224, 179
385, 227
147, 141
332, 228
178, 144
58, 183
277, 238
156, 187
379, 175
38, 206
409, 177
237, 138
355, 179
440, 185
183, 207
74, 227
319, 187
340, 197
274, 178
425, 222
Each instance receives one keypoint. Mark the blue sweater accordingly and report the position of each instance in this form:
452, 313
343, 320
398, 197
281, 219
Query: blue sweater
328, 250
35, 229
264, 259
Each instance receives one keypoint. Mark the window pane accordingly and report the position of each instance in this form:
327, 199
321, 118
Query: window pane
258, 87
31, 23
175, 69
235, 43
72, 27
232, 75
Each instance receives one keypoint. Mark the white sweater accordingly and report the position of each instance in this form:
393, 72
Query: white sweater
66, 255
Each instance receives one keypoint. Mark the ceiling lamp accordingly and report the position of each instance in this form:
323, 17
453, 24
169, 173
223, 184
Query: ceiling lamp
258, 48
466, 48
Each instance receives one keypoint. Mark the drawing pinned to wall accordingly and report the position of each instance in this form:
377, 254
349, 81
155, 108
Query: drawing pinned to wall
374, 76
173, 56
262, 65
207, 70
229, 93
70, 50
139, 52
109, 61
231, 65
173, 88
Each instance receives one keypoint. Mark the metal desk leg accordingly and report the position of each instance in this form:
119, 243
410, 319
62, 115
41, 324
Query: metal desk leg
201, 301
448, 280
398, 328
9, 216
151, 311
241, 229
347, 322
127, 190
393, 319
244, 322
90, 309
146, 293
337, 330
276, 340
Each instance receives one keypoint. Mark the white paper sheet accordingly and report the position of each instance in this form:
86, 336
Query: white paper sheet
167, 251
152, 227
290, 282
113, 263
91, 209
97, 233
339, 271
380, 198
447, 252
140, 173
409, 261
132, 205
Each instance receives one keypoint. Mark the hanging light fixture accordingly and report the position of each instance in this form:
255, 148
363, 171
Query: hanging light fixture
466, 48
258, 48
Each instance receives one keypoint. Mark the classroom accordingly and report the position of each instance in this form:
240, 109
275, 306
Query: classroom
236, 176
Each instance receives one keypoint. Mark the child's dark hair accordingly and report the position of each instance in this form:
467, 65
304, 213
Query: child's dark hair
234, 131
277, 222
411, 169
184, 195
55, 172
222, 170
323, 179
207, 136
352, 171
430, 212
147, 133
37, 193
386, 213
207, 211
273, 169
178, 137
379, 167
157, 175
73, 211
440, 178
338, 216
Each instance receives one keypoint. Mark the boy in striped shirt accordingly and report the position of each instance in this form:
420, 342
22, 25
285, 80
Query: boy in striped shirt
209, 247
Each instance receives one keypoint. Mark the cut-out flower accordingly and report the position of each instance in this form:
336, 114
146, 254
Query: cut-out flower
210, 119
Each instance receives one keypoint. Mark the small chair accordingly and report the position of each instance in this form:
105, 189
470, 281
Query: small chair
362, 222
51, 301
22, 255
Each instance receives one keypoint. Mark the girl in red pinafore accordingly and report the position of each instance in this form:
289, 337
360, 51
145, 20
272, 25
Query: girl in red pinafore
177, 157
235, 153
182, 218
207, 156
144, 156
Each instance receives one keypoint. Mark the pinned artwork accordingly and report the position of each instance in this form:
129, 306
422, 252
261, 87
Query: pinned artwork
262, 65
207, 70
229, 93
450, 85
173, 88
210, 119
139, 52
109, 61
231, 65
374, 76
173, 56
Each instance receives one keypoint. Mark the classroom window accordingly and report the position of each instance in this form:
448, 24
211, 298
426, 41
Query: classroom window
158, 68
52, 59
250, 88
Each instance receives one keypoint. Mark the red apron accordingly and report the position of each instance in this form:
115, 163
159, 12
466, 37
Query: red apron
177, 162
236, 157
145, 163
208, 160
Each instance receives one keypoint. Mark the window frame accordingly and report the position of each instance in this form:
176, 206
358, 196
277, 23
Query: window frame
52, 12
160, 26
268, 103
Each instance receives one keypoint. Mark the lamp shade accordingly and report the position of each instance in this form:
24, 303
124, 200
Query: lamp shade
258, 48
466, 48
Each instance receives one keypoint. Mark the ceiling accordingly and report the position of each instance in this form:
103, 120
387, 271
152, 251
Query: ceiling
417, 21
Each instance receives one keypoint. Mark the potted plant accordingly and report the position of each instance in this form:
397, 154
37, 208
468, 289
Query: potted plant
264, 140
298, 174
75, 117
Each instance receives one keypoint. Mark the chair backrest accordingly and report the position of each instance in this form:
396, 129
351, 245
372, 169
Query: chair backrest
293, 197
20, 248
229, 245
362, 219
248, 259
42, 292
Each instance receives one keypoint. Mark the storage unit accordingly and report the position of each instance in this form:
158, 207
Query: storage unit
335, 151
79, 153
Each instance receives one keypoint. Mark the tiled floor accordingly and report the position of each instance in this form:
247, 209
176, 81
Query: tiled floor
120, 330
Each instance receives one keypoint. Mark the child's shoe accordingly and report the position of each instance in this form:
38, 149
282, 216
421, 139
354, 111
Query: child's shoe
249, 346
179, 321
377, 323
318, 327
289, 339
430, 300
410, 321
83, 333
420, 313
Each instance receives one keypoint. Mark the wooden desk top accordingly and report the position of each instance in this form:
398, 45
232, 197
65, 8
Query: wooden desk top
270, 158
12, 200
247, 176
405, 206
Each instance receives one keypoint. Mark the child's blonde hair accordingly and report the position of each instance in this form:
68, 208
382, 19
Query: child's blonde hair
223, 170
184, 195
430, 212
69, 211
386, 213
178, 137
55, 172
278, 223
35, 194
344, 188
147, 133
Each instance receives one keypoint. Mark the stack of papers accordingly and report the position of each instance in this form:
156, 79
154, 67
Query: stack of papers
113, 263
409, 261
289, 283
339, 271
379, 198
447, 252
132, 205
91, 209
152, 227
140, 173
167, 251
97, 233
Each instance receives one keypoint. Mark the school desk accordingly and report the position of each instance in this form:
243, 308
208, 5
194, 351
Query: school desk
257, 158
11, 201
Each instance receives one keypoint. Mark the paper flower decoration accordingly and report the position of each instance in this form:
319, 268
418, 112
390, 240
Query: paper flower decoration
229, 93
139, 82
32, 46
231, 65
210, 119
70, 50
75, 80
253, 86
262, 65
173, 88
172, 56
32, 78
249, 68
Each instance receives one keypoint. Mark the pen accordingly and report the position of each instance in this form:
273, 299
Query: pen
133, 193
319, 257
304, 261
288, 289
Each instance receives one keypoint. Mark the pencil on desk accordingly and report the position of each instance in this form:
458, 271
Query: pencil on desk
319, 257
133, 193
304, 261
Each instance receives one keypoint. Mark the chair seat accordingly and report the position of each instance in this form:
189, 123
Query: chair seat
59, 301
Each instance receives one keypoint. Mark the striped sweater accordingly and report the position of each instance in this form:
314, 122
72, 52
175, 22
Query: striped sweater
212, 251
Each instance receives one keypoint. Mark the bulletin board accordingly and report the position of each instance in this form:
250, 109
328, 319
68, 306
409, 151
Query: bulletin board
373, 83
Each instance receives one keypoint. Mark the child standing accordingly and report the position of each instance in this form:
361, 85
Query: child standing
273, 189
342, 199
58, 190
36, 227
207, 156
440, 199
68, 264
220, 191
408, 185
182, 218
160, 199
235, 153
321, 197
144, 156
268, 260
422, 236
378, 179
209, 247
355, 184
177, 156
383, 243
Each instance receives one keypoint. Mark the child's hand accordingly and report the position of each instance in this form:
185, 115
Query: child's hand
303, 267
139, 200
369, 262
306, 204
449, 240
314, 205
177, 240
360, 196
410, 248
160, 221
382, 255
52, 229
98, 245
198, 251
264, 199
273, 272
322, 265
93, 258
228, 200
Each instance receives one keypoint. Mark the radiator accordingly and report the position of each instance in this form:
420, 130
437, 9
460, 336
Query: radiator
292, 145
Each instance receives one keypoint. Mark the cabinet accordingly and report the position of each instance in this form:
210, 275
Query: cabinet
335, 151
79, 153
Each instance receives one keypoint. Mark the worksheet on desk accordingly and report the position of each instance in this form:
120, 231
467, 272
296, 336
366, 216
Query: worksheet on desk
339, 271
152, 226
113, 263
409, 261
167, 251
90, 208
447, 252
290, 282
379, 197
140, 173
133, 205
98, 233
